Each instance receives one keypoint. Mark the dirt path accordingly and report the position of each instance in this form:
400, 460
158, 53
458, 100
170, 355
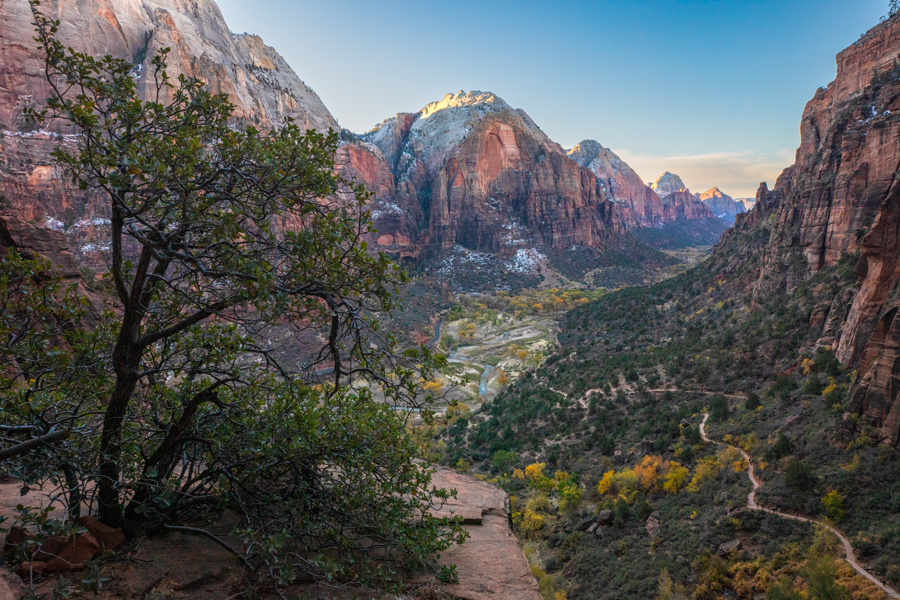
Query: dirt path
703, 392
752, 505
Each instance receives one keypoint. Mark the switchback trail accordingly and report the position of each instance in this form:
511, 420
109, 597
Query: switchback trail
752, 505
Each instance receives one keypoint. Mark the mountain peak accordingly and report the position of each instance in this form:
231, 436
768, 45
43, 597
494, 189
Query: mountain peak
714, 192
465, 99
668, 183
585, 152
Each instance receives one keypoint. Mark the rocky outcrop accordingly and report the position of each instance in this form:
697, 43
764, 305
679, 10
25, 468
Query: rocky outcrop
490, 563
842, 196
471, 171
668, 183
263, 88
724, 206
638, 205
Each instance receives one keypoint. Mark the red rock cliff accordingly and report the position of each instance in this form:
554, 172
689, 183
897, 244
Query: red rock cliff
472, 171
259, 82
842, 196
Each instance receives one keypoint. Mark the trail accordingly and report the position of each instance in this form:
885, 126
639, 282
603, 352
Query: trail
753, 505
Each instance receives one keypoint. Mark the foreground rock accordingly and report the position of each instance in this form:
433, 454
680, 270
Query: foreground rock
177, 566
490, 563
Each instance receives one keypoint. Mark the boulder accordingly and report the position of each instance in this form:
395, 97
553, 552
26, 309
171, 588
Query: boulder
74, 554
11, 586
728, 547
652, 525
16, 536
110, 538
585, 524
593, 528
605, 517
26, 570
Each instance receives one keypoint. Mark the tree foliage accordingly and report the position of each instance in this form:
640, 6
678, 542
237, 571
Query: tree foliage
221, 235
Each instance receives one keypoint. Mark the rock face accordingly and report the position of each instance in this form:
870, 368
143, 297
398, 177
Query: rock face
668, 183
470, 171
490, 563
842, 196
258, 81
638, 204
724, 206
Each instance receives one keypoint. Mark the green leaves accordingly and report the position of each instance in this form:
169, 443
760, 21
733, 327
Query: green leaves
223, 238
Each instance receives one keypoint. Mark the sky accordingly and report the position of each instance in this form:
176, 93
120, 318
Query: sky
712, 90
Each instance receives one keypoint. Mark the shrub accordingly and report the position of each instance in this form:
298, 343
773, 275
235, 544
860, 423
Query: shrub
834, 505
798, 475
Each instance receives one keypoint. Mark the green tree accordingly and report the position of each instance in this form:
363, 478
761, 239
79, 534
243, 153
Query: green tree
783, 590
718, 408
821, 573
219, 235
798, 475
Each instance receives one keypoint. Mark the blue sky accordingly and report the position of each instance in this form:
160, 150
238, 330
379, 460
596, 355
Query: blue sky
710, 89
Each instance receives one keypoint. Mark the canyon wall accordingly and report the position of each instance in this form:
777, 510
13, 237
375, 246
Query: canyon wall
261, 85
473, 172
842, 196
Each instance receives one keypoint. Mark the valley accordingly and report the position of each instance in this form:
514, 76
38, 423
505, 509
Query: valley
246, 350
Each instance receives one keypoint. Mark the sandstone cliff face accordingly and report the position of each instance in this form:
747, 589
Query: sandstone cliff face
473, 172
842, 195
724, 206
259, 82
637, 204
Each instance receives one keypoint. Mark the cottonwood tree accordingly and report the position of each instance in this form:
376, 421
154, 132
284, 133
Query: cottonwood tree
221, 234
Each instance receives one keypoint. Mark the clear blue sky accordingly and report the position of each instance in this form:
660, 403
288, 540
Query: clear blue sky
710, 89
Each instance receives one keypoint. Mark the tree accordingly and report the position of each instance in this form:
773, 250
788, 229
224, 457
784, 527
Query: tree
718, 408
220, 234
834, 505
821, 573
798, 475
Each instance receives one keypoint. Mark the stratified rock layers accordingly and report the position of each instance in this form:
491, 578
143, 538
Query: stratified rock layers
260, 84
842, 196
472, 171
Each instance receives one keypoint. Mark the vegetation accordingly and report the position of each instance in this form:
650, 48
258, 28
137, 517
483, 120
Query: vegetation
618, 405
168, 405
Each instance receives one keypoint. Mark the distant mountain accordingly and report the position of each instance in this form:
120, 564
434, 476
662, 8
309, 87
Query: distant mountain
724, 206
469, 171
668, 183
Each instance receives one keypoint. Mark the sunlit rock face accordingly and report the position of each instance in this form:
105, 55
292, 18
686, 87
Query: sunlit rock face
470, 171
668, 183
842, 196
724, 206
263, 88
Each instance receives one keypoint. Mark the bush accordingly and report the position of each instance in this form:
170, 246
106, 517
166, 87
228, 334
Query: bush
718, 408
798, 475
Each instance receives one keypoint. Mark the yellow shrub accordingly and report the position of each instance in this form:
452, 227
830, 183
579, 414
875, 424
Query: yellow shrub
607, 483
809, 366
707, 470
676, 478
532, 522
518, 474
535, 471
433, 387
